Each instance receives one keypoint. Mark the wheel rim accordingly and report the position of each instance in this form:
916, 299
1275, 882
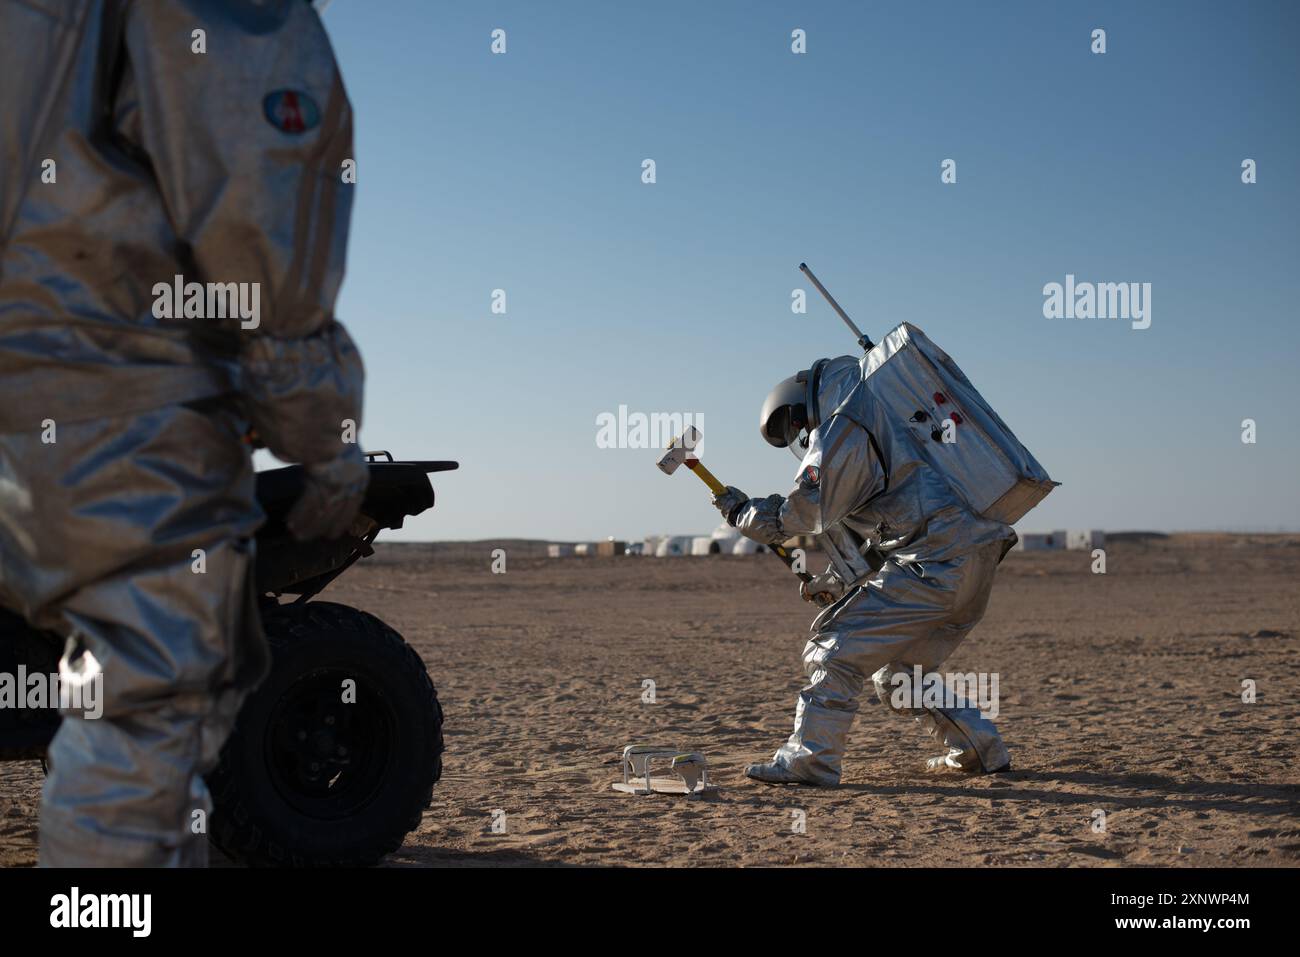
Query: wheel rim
325, 758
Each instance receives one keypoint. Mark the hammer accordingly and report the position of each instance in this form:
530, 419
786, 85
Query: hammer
682, 450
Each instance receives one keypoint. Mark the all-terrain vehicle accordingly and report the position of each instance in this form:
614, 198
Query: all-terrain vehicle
334, 757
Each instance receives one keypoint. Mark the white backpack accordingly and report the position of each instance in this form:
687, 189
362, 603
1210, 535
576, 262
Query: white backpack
926, 394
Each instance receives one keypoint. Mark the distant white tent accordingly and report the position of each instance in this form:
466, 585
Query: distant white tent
672, 545
723, 540
705, 545
1085, 538
731, 542
1040, 541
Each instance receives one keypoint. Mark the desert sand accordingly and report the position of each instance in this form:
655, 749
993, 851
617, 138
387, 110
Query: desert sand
1121, 693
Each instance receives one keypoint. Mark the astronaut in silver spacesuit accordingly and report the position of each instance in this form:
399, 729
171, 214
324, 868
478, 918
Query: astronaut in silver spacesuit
910, 573
135, 150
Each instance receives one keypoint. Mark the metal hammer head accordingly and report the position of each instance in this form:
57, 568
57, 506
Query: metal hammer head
682, 448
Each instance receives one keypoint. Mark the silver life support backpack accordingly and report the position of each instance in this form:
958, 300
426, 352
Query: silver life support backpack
923, 389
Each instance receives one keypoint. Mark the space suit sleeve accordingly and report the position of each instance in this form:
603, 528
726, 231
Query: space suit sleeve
839, 473
248, 127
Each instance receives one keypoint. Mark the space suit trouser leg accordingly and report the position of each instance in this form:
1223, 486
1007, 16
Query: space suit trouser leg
132, 536
126, 788
970, 741
903, 614
824, 712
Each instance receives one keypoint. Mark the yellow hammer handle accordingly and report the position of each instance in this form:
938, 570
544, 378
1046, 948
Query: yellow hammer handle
696, 466
717, 488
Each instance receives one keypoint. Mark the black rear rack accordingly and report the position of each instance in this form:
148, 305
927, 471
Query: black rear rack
425, 465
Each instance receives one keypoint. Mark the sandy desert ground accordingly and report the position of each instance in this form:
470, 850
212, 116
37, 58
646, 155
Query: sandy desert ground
1120, 693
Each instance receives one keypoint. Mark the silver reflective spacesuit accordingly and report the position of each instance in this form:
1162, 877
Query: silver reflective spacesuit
911, 568
142, 142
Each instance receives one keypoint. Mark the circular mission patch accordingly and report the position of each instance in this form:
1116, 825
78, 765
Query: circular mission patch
291, 111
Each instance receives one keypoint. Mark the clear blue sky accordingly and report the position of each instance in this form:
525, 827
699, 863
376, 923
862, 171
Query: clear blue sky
523, 172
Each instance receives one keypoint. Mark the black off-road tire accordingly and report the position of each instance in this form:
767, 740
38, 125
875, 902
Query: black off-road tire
307, 779
25, 732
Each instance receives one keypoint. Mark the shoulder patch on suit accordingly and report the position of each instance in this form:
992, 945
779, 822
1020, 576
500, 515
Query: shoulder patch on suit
810, 477
291, 111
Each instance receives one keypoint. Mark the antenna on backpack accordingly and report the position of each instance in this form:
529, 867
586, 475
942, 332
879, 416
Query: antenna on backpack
863, 341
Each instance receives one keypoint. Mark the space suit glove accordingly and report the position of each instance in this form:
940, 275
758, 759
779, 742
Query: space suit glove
730, 502
827, 584
331, 496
